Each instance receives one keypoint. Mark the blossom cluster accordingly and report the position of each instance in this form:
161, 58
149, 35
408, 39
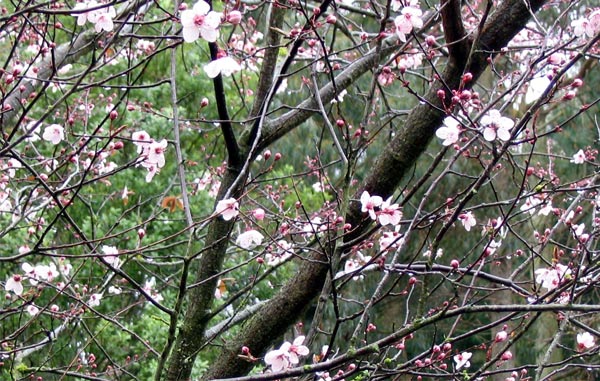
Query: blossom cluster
287, 355
551, 278
587, 26
53, 133
96, 13
152, 153
409, 19
36, 274
493, 126
379, 210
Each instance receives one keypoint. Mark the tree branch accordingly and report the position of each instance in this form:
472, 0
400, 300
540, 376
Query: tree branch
454, 30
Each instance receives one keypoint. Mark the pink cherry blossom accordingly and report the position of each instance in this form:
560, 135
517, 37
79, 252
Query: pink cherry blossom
409, 18
94, 300
32, 310
295, 349
537, 86
277, 359
369, 203
249, 239
468, 220
462, 360
225, 66
391, 240
234, 17
150, 288
506, 356
585, 341
501, 336
450, 131
496, 126
227, 208
14, 284
152, 170
141, 139
200, 21
587, 26
54, 133
579, 157
82, 15
259, 214
156, 153
104, 19
287, 355
389, 213
550, 278
111, 256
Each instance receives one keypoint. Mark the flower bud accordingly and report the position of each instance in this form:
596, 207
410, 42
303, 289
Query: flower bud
259, 214
506, 356
234, 17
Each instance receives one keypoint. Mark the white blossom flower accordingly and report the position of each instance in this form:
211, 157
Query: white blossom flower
467, 220
82, 14
287, 355
389, 214
111, 256
536, 88
450, 131
249, 239
200, 21
94, 300
142, 140
225, 66
283, 252
409, 19
462, 360
368, 204
228, 208
14, 284
578, 157
550, 278
32, 310
54, 133
585, 341
104, 19
496, 126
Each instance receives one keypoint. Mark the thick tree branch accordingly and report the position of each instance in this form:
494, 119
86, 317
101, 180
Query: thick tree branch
454, 30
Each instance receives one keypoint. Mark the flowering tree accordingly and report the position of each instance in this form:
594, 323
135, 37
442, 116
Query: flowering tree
160, 219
